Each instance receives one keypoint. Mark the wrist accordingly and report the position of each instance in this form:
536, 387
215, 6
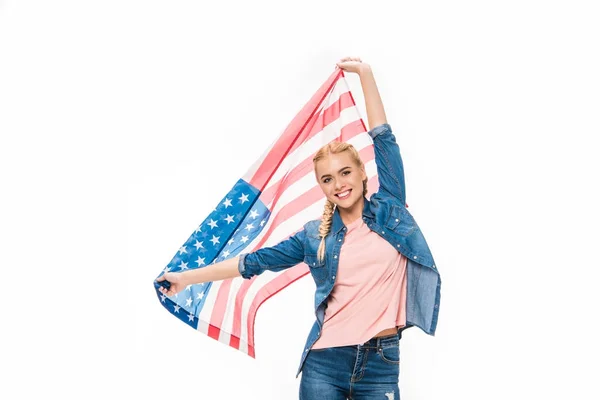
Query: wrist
186, 278
364, 69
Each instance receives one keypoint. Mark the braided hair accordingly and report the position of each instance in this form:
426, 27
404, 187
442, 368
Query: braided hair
334, 147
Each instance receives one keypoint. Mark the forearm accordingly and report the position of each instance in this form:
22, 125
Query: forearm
373, 103
215, 272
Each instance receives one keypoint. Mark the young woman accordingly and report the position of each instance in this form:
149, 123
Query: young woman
374, 272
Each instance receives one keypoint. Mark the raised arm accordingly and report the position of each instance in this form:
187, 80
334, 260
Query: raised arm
390, 169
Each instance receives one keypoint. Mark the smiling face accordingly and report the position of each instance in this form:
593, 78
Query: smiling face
341, 180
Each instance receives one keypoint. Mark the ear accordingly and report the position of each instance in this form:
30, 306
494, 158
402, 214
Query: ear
363, 174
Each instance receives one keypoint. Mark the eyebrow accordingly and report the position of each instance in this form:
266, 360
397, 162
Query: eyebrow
323, 176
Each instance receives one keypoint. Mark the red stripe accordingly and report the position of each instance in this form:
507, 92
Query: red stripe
290, 136
215, 335
218, 311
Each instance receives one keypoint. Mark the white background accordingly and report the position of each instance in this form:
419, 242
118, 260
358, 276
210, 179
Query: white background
123, 123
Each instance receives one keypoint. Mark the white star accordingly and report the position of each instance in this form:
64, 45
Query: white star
226, 254
167, 269
230, 241
213, 224
176, 308
198, 245
262, 222
215, 240
200, 261
190, 317
198, 229
244, 198
249, 226
183, 265
253, 214
244, 239
163, 297
188, 301
182, 249
227, 203
188, 287
200, 296
229, 219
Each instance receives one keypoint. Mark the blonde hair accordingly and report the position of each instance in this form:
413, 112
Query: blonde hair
334, 147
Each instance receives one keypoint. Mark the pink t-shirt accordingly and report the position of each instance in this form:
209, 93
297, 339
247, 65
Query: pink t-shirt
369, 294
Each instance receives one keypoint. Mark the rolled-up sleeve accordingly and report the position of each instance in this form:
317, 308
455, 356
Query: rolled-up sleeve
283, 255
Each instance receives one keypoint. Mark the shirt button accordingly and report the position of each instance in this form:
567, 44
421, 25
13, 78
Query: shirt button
397, 219
335, 256
306, 351
415, 257
334, 277
339, 240
397, 245
382, 232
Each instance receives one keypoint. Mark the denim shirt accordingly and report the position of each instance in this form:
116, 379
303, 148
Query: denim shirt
386, 214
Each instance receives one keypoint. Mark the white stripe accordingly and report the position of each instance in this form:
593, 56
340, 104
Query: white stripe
227, 323
337, 91
209, 304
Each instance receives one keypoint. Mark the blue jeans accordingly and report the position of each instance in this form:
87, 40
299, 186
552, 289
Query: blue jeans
366, 371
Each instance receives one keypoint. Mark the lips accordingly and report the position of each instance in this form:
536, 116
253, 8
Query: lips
343, 195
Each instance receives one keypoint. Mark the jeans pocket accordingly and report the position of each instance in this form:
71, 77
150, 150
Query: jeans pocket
390, 354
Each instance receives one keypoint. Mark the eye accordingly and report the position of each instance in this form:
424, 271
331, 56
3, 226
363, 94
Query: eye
326, 180
344, 173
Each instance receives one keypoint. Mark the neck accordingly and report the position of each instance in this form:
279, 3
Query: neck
349, 215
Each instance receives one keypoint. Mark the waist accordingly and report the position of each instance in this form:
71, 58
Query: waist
387, 332
382, 341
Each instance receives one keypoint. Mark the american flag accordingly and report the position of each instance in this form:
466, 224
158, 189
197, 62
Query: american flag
271, 202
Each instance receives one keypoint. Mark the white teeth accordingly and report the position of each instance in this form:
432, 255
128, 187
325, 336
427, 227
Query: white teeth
344, 194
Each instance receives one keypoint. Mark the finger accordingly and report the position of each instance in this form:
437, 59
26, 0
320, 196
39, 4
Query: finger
160, 278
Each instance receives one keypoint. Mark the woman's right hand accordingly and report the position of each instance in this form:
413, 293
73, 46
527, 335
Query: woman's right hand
177, 281
352, 64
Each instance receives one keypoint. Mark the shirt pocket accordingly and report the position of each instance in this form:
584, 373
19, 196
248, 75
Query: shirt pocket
317, 268
400, 221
